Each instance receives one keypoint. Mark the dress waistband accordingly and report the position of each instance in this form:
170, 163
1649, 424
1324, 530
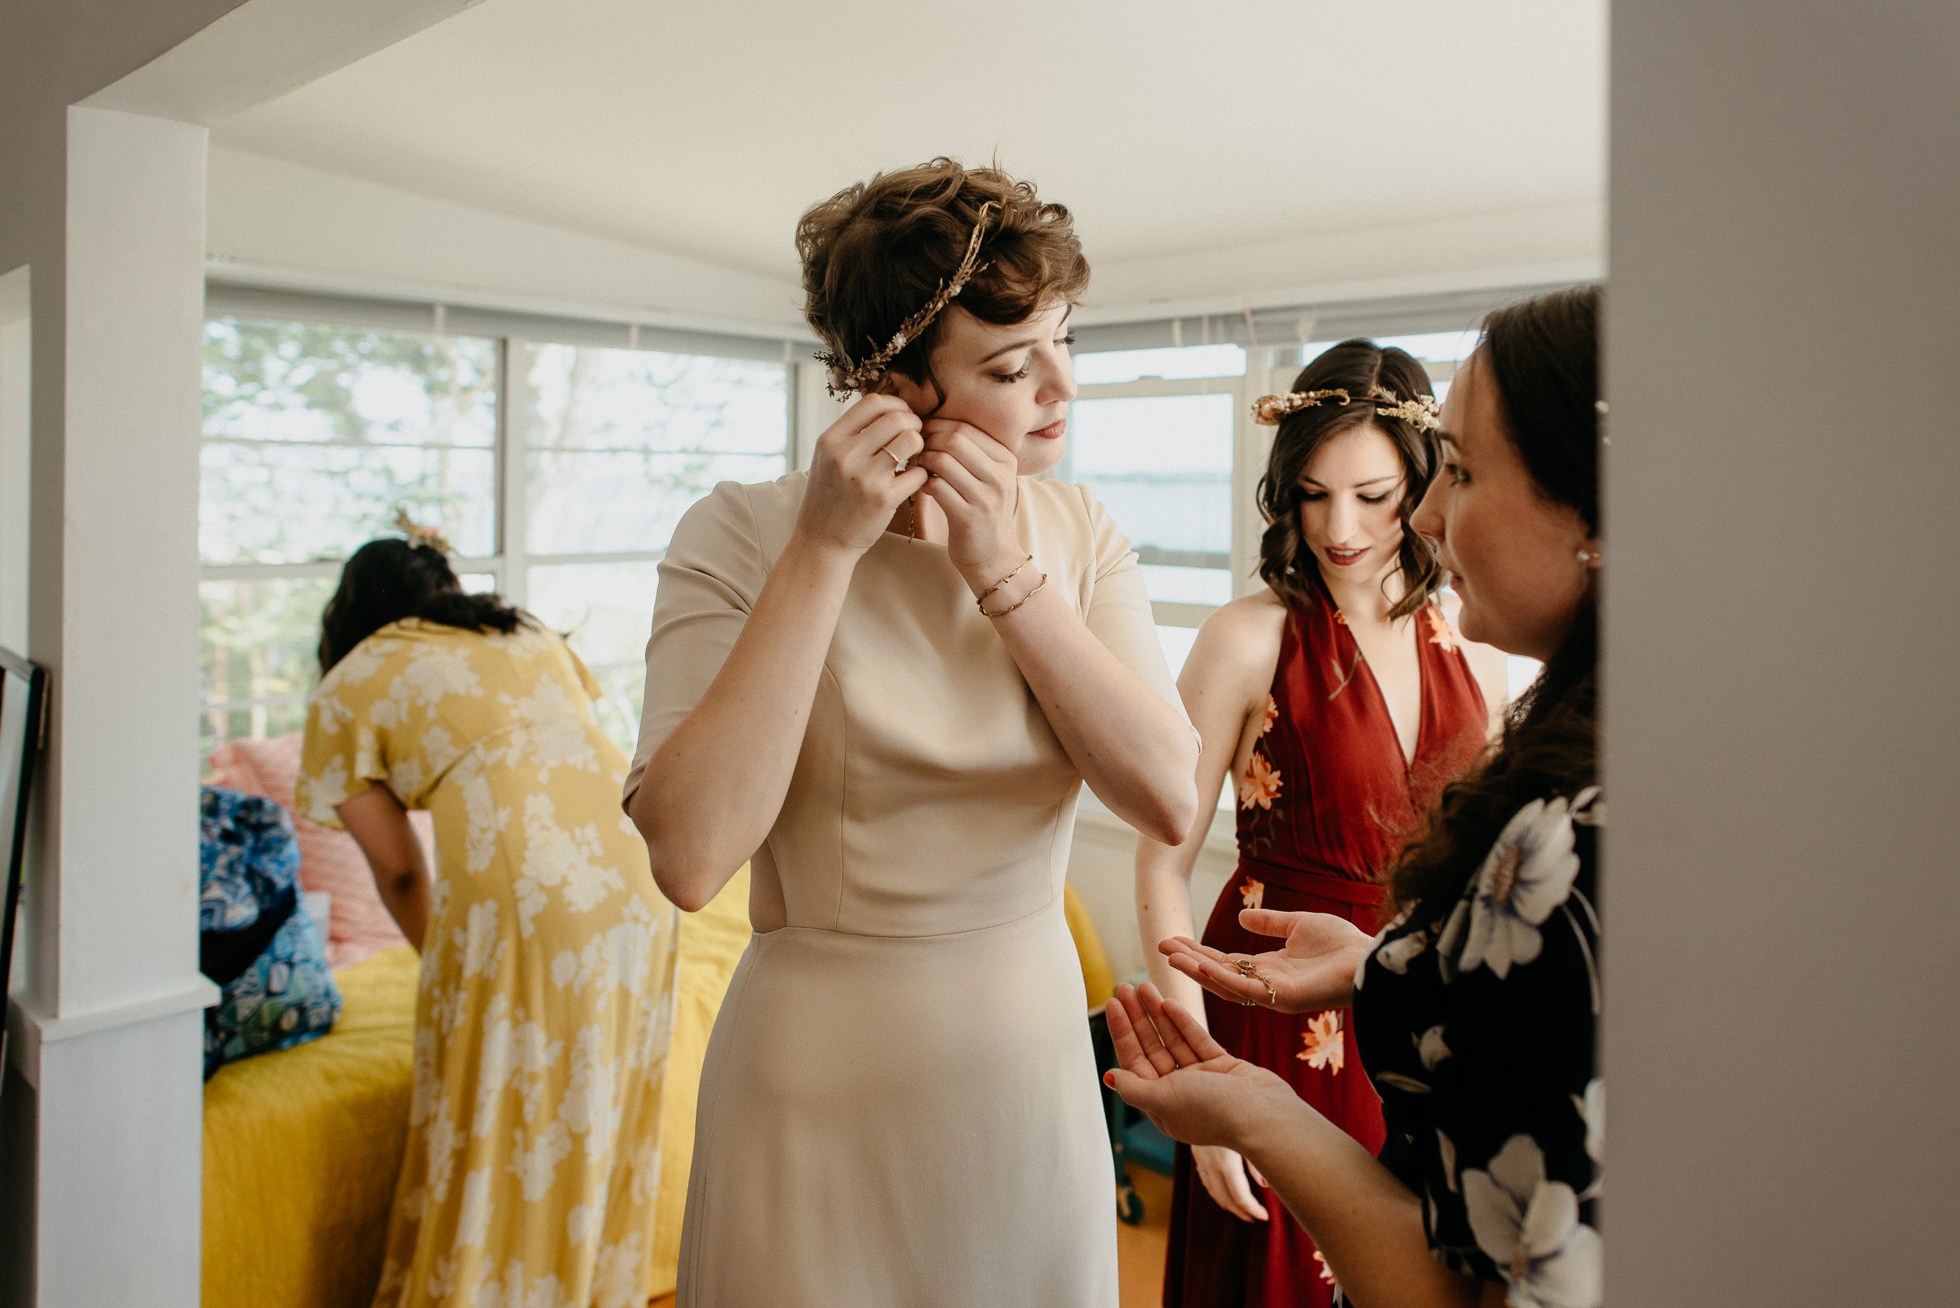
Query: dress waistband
1327, 885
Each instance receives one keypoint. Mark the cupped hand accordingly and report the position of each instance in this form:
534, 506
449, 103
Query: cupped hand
856, 478
974, 482
1229, 1179
1180, 1077
1313, 970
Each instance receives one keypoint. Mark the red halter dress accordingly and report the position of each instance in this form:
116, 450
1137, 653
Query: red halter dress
1322, 807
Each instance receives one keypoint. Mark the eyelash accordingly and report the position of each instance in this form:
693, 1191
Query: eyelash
1008, 378
1316, 496
1455, 473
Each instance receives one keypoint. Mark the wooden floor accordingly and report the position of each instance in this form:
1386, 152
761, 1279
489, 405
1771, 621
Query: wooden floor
1139, 1249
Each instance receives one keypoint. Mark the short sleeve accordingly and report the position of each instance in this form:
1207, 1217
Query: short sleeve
710, 578
593, 690
1119, 609
344, 751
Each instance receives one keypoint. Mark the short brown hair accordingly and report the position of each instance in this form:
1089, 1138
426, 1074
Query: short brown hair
876, 252
1356, 366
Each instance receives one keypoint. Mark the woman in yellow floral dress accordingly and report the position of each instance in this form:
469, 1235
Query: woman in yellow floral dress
546, 1000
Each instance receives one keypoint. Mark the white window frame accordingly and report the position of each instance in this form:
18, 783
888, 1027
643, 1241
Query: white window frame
511, 562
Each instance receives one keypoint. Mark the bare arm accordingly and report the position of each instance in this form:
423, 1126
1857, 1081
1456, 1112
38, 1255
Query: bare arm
379, 825
1134, 750
1365, 1222
712, 791
1224, 686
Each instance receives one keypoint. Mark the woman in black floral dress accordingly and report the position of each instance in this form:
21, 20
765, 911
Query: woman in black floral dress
1475, 1009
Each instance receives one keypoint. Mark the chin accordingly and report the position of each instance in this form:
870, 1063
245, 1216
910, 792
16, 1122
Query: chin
1033, 462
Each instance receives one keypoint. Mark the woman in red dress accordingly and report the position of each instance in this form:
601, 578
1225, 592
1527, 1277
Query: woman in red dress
1341, 699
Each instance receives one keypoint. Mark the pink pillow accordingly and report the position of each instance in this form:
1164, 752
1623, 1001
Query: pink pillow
328, 860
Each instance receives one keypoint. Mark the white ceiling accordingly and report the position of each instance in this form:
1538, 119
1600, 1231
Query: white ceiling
1169, 128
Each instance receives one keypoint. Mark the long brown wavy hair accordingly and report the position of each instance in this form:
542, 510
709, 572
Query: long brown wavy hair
1542, 355
1286, 563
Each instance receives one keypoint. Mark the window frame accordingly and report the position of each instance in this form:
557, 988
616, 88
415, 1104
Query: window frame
510, 563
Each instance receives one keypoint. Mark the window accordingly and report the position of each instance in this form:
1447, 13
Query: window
558, 472
1154, 433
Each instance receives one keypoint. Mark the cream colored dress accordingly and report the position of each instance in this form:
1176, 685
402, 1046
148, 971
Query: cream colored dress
900, 1103
547, 982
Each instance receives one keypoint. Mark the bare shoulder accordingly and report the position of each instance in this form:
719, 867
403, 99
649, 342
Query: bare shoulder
1237, 648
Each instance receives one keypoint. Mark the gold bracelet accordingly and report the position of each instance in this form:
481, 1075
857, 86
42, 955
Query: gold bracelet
1001, 613
982, 600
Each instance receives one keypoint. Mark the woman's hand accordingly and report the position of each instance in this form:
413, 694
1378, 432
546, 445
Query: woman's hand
973, 481
1312, 971
1229, 1179
856, 479
1180, 1077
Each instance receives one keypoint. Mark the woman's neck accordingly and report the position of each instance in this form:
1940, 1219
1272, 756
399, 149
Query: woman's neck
1367, 601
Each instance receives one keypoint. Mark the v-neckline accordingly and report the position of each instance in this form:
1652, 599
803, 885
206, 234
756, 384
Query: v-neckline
1414, 751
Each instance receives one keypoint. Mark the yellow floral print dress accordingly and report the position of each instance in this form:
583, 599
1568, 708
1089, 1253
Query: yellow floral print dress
547, 984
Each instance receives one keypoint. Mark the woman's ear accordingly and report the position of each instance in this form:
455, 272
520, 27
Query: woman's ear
921, 399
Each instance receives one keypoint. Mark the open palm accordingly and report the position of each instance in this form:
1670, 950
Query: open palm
1313, 970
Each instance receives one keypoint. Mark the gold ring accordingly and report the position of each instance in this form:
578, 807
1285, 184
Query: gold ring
1249, 968
898, 465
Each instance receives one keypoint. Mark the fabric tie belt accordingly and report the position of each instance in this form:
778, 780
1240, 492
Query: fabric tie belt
1326, 885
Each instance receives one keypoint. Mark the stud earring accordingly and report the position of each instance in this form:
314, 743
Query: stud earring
1588, 557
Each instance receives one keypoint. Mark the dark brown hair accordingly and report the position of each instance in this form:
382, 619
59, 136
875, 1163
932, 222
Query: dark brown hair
1542, 355
876, 252
391, 579
1286, 562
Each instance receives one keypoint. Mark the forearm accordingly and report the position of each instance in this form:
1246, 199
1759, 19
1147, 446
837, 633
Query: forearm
1163, 901
404, 893
1135, 751
1365, 1221
712, 791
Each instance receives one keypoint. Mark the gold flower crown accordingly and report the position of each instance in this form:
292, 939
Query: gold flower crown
846, 376
429, 536
1422, 412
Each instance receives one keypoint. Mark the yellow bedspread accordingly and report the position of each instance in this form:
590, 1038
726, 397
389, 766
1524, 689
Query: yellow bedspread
301, 1148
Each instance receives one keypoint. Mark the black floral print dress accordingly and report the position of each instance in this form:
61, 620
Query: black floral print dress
1477, 1024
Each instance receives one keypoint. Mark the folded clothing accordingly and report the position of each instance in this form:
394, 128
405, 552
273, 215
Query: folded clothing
255, 936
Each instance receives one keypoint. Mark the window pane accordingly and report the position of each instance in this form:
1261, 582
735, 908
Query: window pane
1106, 366
298, 381
1162, 465
614, 503
315, 436
259, 654
292, 503
606, 612
585, 398
618, 443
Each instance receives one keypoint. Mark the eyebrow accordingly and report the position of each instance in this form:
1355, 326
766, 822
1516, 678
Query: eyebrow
1372, 481
1012, 346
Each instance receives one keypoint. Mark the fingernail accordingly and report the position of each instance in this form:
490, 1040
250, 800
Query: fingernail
1109, 1079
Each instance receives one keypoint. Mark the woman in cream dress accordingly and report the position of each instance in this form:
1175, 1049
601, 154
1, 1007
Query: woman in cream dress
547, 988
825, 693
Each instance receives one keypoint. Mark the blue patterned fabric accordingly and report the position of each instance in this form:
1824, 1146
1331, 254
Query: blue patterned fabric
255, 937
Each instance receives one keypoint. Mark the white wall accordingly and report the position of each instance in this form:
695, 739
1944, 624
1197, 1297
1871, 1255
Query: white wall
1781, 711
105, 212
278, 223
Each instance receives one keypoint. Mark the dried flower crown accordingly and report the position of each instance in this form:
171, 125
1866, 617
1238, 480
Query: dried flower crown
846, 376
1421, 411
429, 536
